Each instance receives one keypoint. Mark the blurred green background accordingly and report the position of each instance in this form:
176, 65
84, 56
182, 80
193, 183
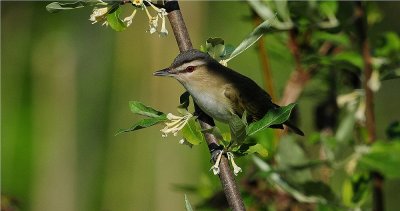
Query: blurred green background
65, 88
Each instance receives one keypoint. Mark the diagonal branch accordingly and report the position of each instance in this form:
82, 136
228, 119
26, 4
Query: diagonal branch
227, 179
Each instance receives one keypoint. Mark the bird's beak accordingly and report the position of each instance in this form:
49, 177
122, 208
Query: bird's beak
163, 72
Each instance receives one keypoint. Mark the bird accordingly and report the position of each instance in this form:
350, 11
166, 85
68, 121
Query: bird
219, 91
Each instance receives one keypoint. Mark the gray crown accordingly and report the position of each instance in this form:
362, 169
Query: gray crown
190, 55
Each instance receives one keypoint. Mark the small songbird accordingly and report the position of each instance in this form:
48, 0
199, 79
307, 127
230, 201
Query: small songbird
220, 91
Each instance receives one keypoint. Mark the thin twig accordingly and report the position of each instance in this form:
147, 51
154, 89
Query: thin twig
265, 66
227, 179
360, 21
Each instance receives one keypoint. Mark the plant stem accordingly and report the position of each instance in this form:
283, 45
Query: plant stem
262, 54
226, 177
360, 22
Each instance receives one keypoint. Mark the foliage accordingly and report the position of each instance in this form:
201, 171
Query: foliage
108, 13
332, 166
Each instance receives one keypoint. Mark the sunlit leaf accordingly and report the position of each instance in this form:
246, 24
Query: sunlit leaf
55, 7
353, 58
256, 34
114, 20
384, 158
328, 7
188, 206
139, 108
144, 123
192, 133
258, 148
273, 117
355, 190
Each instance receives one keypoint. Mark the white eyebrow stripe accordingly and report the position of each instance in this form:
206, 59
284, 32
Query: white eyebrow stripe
194, 63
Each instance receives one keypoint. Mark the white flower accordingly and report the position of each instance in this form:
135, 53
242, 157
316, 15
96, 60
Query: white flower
163, 31
128, 20
224, 62
360, 112
137, 3
99, 15
374, 83
215, 167
154, 7
350, 98
236, 168
175, 124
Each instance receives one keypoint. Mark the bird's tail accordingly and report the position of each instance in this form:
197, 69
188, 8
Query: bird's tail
294, 128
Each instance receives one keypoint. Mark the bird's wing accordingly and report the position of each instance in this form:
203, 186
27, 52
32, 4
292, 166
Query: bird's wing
234, 100
255, 104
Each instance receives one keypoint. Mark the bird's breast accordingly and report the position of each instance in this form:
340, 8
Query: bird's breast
212, 101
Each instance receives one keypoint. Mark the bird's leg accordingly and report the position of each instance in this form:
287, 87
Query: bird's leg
215, 150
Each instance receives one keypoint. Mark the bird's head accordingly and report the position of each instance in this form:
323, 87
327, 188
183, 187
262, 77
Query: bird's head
191, 65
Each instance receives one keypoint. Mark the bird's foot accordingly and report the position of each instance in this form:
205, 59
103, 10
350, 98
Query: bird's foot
215, 150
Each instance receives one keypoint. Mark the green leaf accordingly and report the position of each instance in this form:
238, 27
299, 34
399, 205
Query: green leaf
345, 130
55, 7
259, 149
256, 34
353, 58
328, 7
192, 133
187, 204
273, 117
355, 190
215, 47
238, 130
141, 109
338, 38
383, 157
114, 21
144, 123
275, 179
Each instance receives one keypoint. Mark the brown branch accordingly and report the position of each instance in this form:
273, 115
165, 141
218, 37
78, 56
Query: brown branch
227, 179
262, 54
299, 78
360, 22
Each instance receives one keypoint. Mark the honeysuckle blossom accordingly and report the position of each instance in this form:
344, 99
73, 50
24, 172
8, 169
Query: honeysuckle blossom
355, 102
350, 99
374, 83
137, 3
128, 20
175, 124
236, 168
215, 167
99, 15
163, 31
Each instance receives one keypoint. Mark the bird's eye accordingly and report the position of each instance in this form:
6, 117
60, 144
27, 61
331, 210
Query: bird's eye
190, 69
